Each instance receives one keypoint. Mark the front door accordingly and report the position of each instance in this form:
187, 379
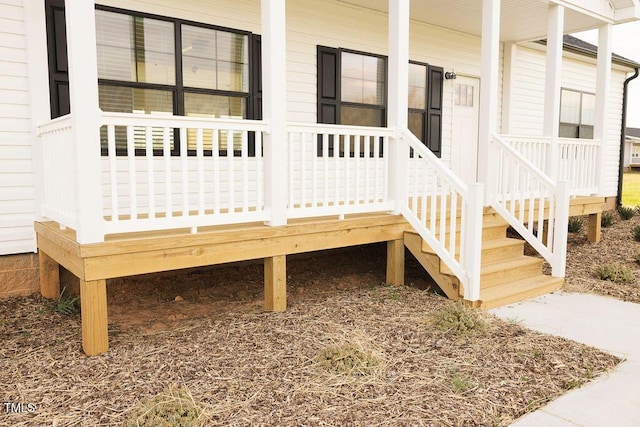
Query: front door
464, 150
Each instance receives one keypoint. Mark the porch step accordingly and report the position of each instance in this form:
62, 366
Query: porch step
507, 275
519, 290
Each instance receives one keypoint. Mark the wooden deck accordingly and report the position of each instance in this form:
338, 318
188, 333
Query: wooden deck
140, 253
149, 252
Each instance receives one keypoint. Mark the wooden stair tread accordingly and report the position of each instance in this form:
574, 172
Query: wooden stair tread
519, 290
511, 263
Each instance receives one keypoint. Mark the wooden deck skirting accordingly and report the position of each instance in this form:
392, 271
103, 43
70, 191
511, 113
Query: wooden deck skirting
150, 252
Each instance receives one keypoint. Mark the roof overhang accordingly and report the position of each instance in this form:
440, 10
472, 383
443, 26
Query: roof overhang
521, 20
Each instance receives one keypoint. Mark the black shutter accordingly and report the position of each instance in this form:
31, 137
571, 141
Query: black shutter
255, 88
255, 80
328, 85
57, 52
434, 109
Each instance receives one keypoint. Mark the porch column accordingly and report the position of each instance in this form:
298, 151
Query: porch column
553, 78
603, 87
274, 108
398, 98
85, 113
508, 80
490, 68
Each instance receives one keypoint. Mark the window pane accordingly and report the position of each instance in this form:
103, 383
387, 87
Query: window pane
417, 86
214, 106
416, 124
360, 116
586, 132
155, 51
134, 48
115, 41
588, 109
140, 101
570, 107
568, 131
214, 59
363, 79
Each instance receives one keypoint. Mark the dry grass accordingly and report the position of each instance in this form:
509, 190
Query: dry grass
242, 366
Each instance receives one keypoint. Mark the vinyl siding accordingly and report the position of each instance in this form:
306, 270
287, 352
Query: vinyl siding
16, 169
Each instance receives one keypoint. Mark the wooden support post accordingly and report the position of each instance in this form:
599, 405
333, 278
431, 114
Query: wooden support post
93, 303
395, 262
49, 276
595, 227
275, 283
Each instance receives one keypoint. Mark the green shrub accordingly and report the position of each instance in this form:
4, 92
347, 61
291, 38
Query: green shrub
458, 318
614, 273
606, 220
638, 258
636, 232
575, 224
626, 212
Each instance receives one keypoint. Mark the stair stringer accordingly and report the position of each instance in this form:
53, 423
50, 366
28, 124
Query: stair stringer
449, 284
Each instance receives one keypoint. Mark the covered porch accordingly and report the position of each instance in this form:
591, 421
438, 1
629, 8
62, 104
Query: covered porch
117, 200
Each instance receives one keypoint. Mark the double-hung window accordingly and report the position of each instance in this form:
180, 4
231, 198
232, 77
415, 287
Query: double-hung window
150, 64
577, 114
352, 90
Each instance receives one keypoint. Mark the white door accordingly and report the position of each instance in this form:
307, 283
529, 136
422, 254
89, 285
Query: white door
464, 135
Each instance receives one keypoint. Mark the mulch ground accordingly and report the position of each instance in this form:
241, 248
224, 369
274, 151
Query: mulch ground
204, 331
618, 246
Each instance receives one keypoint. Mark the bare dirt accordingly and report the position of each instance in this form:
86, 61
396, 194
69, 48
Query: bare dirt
204, 331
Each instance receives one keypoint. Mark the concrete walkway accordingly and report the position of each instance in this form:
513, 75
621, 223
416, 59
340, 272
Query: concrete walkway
606, 323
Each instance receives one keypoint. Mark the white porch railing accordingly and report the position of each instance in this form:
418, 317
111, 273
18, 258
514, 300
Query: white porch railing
59, 164
435, 196
211, 180
521, 193
577, 159
578, 164
337, 170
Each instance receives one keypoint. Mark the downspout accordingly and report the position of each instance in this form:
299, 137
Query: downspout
623, 135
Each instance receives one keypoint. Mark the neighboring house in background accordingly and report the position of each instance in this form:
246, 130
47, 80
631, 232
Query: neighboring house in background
203, 133
632, 148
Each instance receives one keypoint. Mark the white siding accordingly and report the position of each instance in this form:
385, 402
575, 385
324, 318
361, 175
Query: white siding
528, 101
16, 169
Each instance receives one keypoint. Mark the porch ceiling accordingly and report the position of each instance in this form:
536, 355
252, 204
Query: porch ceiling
521, 20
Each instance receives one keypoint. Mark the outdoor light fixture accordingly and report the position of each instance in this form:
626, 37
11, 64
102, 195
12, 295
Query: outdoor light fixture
450, 75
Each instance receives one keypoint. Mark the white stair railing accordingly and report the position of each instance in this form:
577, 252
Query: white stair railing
436, 199
522, 193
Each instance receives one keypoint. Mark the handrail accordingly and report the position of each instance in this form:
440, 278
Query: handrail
161, 120
522, 193
434, 193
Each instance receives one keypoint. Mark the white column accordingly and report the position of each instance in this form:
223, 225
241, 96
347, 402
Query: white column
274, 108
510, 53
490, 67
603, 87
37, 67
398, 98
553, 80
83, 93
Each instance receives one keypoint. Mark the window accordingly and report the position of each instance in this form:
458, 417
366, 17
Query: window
152, 64
577, 113
352, 90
